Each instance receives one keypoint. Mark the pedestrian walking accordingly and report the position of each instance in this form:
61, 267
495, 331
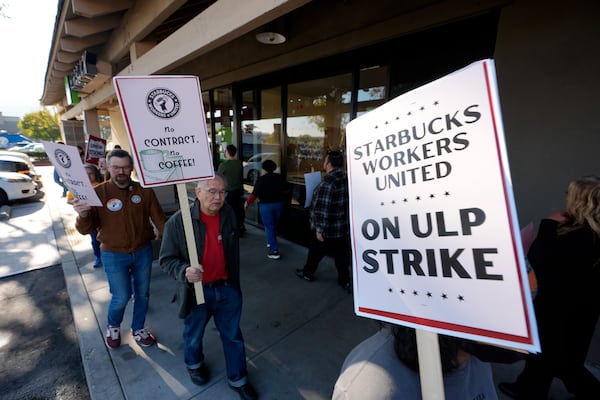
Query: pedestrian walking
231, 168
271, 190
129, 219
217, 244
565, 257
329, 222
96, 178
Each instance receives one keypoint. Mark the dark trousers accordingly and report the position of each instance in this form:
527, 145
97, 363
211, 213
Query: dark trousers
234, 199
338, 248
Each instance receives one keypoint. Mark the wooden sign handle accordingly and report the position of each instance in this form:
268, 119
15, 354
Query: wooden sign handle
430, 365
184, 205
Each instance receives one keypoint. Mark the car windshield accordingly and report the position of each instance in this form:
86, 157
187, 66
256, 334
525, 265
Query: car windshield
13, 166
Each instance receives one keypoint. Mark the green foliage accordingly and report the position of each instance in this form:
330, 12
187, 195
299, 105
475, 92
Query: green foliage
40, 125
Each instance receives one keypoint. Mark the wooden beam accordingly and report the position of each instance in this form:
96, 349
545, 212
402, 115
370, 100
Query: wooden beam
94, 8
81, 27
68, 57
137, 23
75, 45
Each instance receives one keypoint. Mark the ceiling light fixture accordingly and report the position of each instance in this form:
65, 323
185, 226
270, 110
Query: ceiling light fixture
273, 33
270, 38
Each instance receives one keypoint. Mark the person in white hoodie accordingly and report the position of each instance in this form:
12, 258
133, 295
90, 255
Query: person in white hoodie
385, 367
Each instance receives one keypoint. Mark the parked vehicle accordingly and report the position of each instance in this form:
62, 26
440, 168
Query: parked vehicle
20, 163
253, 166
15, 186
28, 147
8, 140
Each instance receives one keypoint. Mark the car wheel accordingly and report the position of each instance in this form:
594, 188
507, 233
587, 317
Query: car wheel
3, 198
253, 176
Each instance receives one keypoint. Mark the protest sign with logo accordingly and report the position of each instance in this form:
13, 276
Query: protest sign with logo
165, 120
68, 164
435, 237
96, 149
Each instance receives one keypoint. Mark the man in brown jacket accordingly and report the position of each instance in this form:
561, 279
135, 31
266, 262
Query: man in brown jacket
125, 231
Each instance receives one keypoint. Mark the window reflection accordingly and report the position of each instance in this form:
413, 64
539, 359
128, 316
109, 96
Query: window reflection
372, 89
318, 112
261, 132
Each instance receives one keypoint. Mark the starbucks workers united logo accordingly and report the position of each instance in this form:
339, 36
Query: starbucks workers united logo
163, 103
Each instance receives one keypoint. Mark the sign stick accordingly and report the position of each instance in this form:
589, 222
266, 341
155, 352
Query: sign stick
189, 237
430, 365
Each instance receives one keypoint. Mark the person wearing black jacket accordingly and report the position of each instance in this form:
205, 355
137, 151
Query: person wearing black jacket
566, 259
217, 243
270, 189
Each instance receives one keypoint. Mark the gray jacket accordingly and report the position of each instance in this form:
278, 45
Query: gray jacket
174, 258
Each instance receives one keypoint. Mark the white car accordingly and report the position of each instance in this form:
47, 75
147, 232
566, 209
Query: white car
21, 163
15, 186
29, 147
253, 167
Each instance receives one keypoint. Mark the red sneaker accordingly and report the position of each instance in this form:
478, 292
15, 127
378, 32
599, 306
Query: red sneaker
144, 337
113, 336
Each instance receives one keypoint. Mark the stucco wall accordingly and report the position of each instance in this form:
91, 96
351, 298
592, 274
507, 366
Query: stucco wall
548, 62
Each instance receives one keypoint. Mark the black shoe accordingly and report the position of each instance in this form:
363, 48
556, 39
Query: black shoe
246, 392
200, 375
300, 274
511, 390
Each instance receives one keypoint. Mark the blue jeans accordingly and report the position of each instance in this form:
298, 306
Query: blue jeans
60, 182
270, 214
95, 244
128, 277
224, 304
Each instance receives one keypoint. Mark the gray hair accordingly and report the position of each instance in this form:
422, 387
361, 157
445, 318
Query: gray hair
202, 184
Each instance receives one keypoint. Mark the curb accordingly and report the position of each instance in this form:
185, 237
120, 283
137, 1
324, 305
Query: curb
102, 380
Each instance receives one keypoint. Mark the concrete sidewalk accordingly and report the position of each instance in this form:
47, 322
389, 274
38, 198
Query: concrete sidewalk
297, 333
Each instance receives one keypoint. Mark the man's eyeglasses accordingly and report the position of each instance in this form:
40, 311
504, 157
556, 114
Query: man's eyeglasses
213, 192
122, 169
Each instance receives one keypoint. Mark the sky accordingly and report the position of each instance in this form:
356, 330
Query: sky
25, 40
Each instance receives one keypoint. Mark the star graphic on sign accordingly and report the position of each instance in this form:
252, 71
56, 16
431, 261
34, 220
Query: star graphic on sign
386, 122
422, 108
460, 298
444, 296
402, 291
431, 196
393, 201
418, 198
429, 294
415, 293
376, 126
390, 290
446, 193
397, 118
382, 203
405, 200
435, 103
409, 113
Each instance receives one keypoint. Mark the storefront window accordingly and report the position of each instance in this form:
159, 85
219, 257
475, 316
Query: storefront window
223, 120
261, 131
318, 112
372, 89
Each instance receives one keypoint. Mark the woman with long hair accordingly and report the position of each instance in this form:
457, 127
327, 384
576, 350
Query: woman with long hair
566, 259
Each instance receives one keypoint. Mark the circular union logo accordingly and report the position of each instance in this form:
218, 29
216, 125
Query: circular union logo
62, 158
114, 204
163, 103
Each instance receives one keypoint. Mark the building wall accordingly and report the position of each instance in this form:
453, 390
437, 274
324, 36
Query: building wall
8, 124
547, 60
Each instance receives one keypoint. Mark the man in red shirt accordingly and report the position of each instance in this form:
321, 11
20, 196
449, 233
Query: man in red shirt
217, 243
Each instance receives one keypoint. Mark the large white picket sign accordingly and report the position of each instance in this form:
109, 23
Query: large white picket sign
165, 120
435, 238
